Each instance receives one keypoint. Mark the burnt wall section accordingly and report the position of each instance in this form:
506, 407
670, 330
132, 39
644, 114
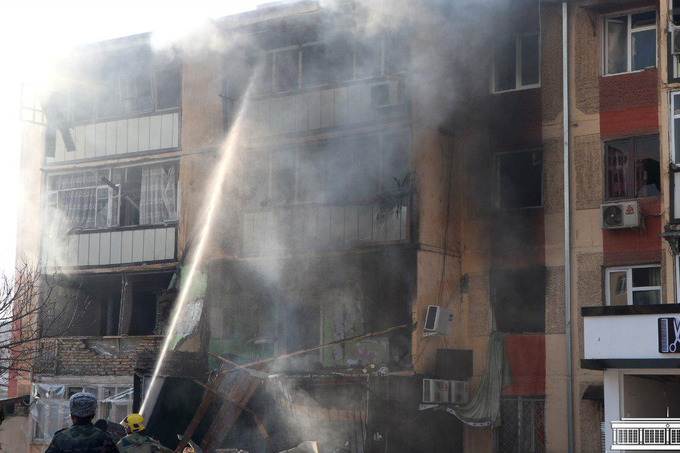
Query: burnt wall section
94, 356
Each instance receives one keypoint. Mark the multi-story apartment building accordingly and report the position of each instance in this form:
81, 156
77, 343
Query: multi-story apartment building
389, 158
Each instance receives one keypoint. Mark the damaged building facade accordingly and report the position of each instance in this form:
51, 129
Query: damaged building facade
390, 237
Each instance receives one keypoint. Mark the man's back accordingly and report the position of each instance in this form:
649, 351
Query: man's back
81, 439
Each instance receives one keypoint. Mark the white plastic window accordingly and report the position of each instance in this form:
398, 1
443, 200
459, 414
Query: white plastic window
633, 285
630, 42
516, 63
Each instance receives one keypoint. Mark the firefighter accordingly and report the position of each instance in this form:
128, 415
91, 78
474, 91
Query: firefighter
82, 436
137, 440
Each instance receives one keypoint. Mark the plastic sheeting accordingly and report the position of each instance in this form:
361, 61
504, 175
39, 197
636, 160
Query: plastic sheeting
484, 409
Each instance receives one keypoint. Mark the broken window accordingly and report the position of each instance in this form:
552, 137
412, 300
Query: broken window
633, 169
630, 42
327, 63
518, 297
286, 69
136, 92
516, 63
96, 199
522, 427
50, 406
369, 57
520, 179
168, 88
636, 285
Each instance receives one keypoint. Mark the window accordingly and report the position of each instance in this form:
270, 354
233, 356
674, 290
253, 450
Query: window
105, 198
52, 411
30, 107
516, 63
520, 180
636, 285
630, 42
522, 428
518, 297
632, 167
675, 126
340, 60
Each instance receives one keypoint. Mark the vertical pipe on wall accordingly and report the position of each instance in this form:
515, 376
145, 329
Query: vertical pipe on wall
567, 230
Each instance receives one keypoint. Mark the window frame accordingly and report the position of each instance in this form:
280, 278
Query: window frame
632, 140
520, 401
37, 440
518, 65
51, 207
498, 179
629, 41
629, 282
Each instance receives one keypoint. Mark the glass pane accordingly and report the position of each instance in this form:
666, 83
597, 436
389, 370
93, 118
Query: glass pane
617, 58
286, 70
650, 297
644, 49
530, 60
647, 167
646, 276
618, 163
504, 65
676, 131
643, 19
618, 292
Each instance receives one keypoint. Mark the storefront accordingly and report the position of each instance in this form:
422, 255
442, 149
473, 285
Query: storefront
638, 348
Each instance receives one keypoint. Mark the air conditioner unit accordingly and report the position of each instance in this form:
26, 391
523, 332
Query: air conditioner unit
438, 321
436, 391
385, 94
625, 214
460, 392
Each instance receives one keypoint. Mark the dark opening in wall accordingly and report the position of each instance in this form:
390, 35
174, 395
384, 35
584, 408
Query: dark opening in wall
520, 179
518, 298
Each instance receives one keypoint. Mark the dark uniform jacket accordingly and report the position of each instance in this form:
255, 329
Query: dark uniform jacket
81, 439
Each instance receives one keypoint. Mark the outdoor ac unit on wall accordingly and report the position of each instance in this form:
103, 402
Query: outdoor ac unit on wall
460, 392
385, 94
625, 214
442, 391
436, 391
438, 321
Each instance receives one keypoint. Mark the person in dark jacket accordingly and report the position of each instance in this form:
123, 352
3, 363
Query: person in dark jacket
115, 430
82, 437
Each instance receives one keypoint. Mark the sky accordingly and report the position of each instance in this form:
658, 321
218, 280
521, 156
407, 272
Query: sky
32, 33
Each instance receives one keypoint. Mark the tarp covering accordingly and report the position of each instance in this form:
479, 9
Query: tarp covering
484, 409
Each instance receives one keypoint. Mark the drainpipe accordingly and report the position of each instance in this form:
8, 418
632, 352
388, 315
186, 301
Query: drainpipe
567, 230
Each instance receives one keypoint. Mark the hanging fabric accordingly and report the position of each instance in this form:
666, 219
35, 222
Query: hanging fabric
158, 202
484, 409
76, 202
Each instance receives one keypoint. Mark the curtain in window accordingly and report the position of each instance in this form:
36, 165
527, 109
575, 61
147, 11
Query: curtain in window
158, 201
76, 202
616, 173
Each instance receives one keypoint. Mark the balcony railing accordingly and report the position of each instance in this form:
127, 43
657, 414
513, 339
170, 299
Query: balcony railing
322, 226
106, 139
142, 244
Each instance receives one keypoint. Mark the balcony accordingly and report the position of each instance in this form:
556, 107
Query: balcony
631, 336
321, 108
134, 245
326, 227
115, 138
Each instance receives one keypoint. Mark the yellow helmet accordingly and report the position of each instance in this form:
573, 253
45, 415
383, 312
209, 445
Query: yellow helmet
134, 422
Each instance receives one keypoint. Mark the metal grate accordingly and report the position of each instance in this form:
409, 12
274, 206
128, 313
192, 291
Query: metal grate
627, 436
522, 427
675, 436
654, 436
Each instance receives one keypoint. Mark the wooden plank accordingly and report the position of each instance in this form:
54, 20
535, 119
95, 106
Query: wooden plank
126, 247
155, 132
93, 258
121, 137
83, 254
175, 130
133, 135
340, 106
166, 131
80, 143
105, 248
144, 133
72, 257
301, 112
116, 242
100, 140
170, 243
137, 246
111, 137
314, 109
90, 141
328, 108
149, 246
195, 421
159, 244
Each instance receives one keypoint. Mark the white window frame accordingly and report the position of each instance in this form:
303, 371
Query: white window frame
629, 282
629, 40
518, 66
673, 117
